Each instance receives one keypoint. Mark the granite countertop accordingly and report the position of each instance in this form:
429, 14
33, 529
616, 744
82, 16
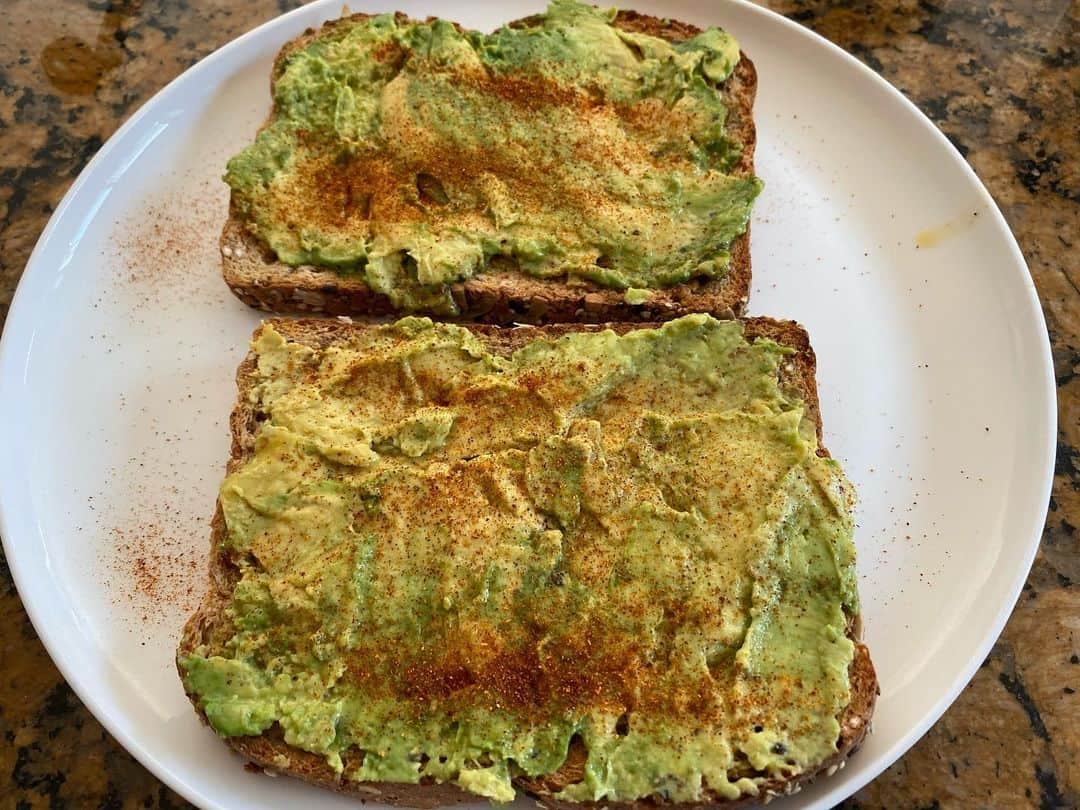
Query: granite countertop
1000, 78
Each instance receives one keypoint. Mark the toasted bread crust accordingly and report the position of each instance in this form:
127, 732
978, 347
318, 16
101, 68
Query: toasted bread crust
502, 294
270, 751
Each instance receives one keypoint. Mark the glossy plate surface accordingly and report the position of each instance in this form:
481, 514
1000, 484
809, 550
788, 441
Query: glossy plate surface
118, 357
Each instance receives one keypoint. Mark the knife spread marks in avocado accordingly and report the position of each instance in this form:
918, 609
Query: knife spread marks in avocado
453, 563
416, 153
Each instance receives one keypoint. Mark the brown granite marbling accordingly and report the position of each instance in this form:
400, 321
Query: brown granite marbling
1002, 80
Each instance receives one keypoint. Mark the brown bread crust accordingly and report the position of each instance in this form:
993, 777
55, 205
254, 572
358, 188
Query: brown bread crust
270, 751
502, 294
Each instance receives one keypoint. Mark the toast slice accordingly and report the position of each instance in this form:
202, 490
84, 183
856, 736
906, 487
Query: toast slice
211, 626
502, 293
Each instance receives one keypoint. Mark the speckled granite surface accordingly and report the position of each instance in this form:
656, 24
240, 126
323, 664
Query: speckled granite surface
1001, 78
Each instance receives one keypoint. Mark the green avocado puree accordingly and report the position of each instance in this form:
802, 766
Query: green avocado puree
414, 154
452, 564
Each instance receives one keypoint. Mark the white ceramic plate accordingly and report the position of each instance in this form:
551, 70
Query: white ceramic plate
934, 369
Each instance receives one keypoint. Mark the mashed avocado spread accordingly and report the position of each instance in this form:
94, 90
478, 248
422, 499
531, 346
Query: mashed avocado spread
415, 153
452, 564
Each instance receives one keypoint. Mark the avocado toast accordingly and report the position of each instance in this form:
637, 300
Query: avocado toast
609, 566
579, 165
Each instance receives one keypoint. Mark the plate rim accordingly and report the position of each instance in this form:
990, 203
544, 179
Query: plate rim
11, 355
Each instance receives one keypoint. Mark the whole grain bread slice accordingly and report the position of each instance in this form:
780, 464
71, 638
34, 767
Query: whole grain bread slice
502, 294
211, 624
